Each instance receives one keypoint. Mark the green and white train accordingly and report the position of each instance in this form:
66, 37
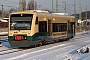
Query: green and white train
36, 27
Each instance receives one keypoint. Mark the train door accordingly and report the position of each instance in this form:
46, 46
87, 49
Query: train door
43, 28
49, 27
69, 27
72, 28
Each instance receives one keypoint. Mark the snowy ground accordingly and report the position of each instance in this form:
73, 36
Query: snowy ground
58, 51
3, 33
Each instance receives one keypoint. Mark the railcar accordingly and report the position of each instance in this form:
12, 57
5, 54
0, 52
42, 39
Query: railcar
34, 27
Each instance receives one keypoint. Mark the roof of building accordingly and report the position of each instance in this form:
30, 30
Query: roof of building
3, 20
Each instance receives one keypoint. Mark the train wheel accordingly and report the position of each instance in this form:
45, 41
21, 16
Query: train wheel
40, 44
33, 46
44, 42
55, 41
60, 40
67, 39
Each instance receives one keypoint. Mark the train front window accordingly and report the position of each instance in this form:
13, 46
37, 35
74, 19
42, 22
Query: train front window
21, 21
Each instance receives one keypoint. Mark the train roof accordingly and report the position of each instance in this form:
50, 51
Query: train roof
60, 13
45, 12
41, 11
38, 11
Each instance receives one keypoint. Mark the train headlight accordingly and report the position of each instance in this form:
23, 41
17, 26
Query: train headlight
25, 38
28, 32
10, 32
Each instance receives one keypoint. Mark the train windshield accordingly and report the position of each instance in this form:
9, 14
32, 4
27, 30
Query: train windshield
21, 21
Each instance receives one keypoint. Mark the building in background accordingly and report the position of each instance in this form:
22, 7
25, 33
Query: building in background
3, 23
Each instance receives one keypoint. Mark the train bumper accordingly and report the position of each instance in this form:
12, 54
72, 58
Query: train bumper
24, 43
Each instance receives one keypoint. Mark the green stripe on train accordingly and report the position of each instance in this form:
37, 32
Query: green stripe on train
34, 37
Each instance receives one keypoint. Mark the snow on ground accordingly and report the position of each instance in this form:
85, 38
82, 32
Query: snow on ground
58, 51
2, 33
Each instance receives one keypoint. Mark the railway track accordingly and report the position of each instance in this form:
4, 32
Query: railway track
8, 51
4, 50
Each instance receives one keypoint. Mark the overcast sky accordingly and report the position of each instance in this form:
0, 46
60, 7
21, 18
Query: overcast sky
47, 4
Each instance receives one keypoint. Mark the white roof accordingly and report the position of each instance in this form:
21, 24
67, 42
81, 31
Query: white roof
4, 20
60, 13
38, 11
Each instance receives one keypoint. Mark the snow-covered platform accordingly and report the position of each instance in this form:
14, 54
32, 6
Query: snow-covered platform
3, 33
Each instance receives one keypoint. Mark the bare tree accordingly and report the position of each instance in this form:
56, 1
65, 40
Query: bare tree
22, 4
32, 5
12, 9
0, 13
7, 15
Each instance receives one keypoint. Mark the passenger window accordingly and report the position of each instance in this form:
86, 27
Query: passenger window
59, 27
42, 26
36, 20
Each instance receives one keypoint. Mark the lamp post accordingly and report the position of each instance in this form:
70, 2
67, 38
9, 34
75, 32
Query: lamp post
2, 12
9, 7
75, 10
57, 6
80, 13
86, 16
65, 5
52, 5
